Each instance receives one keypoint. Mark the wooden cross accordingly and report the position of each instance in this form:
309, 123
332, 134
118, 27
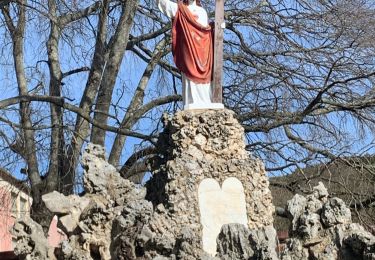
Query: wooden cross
218, 52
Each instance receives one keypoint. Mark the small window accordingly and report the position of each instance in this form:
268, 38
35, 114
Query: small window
23, 207
13, 202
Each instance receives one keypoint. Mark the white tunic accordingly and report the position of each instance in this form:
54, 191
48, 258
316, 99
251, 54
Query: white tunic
194, 95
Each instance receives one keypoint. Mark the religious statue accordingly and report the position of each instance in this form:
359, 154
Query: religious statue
192, 48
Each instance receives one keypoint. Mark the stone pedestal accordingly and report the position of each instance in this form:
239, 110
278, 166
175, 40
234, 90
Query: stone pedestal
203, 165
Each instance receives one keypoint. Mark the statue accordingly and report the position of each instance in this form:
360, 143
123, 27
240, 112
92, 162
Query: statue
192, 48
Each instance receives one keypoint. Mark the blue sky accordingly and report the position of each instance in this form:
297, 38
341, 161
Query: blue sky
131, 70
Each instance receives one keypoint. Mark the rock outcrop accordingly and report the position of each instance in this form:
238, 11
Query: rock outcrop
322, 228
106, 223
116, 220
112, 213
207, 144
195, 146
31, 242
123, 225
235, 241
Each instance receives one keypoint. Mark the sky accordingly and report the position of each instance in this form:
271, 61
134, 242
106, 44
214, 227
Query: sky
131, 71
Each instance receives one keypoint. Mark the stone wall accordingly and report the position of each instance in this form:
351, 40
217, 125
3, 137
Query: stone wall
196, 145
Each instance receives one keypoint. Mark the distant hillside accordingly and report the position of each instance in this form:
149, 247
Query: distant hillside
351, 179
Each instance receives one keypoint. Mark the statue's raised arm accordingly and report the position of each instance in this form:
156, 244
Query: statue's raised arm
167, 7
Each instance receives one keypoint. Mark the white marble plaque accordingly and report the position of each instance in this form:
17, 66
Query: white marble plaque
219, 206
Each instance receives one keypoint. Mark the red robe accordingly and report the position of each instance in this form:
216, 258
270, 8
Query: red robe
192, 46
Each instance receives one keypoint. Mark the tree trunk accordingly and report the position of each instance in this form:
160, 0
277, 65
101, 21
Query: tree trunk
130, 119
57, 135
82, 126
117, 49
17, 32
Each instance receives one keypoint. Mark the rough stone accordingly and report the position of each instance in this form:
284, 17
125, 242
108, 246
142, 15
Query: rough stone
113, 220
320, 192
322, 229
313, 205
294, 208
199, 145
68, 209
361, 242
121, 224
263, 242
335, 212
107, 219
31, 243
294, 250
309, 225
234, 243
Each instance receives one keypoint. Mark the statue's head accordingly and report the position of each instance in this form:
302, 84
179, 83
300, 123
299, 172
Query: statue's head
187, 2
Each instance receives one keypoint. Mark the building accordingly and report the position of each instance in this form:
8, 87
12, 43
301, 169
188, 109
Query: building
15, 202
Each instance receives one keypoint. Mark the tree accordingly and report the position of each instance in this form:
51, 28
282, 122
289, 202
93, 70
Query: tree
298, 73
